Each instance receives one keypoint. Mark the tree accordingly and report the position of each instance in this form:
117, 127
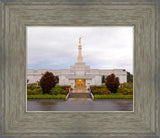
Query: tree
103, 79
129, 77
112, 83
47, 81
57, 79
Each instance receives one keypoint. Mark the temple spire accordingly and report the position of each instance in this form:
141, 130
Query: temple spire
80, 58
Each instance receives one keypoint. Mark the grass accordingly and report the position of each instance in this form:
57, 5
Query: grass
114, 96
111, 96
46, 96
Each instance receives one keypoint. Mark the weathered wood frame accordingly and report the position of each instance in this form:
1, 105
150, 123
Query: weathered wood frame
143, 121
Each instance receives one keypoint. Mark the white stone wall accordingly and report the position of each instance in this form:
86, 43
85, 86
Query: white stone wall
121, 73
96, 80
88, 83
33, 78
122, 77
64, 75
63, 80
72, 83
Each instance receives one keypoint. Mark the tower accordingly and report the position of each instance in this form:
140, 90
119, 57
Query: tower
80, 68
80, 58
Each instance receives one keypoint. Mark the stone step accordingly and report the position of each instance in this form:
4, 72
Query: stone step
79, 95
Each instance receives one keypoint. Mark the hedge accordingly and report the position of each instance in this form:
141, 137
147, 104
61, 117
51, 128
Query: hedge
97, 86
63, 86
113, 96
58, 91
46, 96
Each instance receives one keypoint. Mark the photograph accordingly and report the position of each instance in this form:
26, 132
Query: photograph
80, 68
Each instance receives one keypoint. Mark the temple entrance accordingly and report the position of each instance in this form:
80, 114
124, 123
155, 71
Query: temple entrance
80, 83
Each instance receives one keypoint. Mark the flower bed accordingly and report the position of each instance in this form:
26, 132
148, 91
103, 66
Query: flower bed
124, 89
33, 89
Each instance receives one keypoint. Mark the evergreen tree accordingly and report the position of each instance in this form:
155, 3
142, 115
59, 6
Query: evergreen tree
103, 79
129, 77
57, 79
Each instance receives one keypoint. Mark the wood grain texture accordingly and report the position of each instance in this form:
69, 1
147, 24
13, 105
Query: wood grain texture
16, 16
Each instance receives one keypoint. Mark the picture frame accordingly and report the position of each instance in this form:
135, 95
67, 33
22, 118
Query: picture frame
143, 121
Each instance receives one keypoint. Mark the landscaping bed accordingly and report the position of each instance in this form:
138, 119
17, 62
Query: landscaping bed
33, 89
123, 89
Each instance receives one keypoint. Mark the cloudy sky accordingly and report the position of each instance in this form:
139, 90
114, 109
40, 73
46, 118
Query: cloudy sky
102, 47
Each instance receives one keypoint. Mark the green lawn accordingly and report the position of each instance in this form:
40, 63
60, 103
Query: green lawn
46, 96
113, 96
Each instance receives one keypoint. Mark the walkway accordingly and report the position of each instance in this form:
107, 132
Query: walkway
80, 105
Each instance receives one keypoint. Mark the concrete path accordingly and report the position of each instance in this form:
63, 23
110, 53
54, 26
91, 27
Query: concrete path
80, 104
79, 99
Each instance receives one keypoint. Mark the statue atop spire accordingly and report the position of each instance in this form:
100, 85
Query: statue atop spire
80, 40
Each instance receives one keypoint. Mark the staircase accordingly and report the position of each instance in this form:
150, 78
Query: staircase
79, 94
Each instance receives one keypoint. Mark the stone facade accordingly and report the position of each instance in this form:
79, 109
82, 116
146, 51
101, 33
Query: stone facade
79, 75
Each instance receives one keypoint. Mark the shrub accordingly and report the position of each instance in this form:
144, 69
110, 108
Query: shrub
29, 92
64, 86
96, 92
104, 91
31, 86
120, 90
47, 81
101, 91
97, 86
130, 92
127, 85
56, 91
58, 87
112, 83
125, 91
36, 91
64, 92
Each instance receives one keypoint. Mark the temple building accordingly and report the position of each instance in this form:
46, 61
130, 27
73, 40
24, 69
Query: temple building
79, 75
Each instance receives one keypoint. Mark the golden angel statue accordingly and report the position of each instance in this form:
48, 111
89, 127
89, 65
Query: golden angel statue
80, 40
